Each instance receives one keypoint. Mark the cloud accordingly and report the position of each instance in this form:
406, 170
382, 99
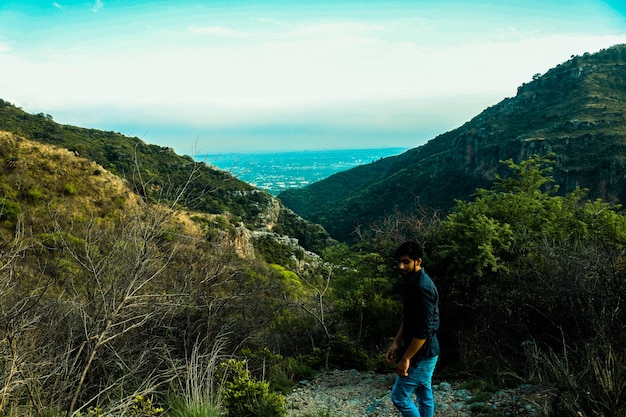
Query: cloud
230, 76
97, 6
218, 31
334, 30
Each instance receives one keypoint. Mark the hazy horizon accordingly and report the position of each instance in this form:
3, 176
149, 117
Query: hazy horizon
399, 149
239, 76
278, 171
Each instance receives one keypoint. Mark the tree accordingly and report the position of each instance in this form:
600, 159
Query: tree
523, 266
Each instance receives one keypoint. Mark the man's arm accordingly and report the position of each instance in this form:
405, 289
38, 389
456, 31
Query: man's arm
411, 350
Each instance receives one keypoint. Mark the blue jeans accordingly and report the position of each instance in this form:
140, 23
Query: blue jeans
418, 381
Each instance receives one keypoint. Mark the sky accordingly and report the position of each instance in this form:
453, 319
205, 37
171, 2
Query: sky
218, 76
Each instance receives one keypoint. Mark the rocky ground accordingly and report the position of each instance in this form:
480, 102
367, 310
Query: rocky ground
366, 394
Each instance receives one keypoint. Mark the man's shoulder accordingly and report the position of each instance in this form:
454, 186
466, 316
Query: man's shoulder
425, 280
424, 276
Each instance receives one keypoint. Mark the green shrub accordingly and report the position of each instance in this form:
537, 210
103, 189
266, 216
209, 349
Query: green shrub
142, 406
35, 194
340, 353
284, 375
96, 411
479, 385
273, 251
70, 189
179, 407
244, 396
9, 210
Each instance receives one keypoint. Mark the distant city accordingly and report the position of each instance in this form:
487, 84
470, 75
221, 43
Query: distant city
279, 171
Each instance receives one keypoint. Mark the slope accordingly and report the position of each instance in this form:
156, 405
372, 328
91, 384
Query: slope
160, 174
575, 110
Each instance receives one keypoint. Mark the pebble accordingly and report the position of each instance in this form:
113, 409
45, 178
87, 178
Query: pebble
350, 393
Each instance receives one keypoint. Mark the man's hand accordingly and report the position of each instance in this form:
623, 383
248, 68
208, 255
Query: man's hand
391, 352
403, 367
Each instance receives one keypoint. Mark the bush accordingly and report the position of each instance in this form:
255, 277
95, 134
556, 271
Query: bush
179, 407
70, 189
595, 369
340, 353
284, 375
244, 396
9, 210
143, 406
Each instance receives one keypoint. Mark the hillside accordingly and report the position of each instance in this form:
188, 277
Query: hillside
47, 188
162, 175
41, 181
103, 285
575, 110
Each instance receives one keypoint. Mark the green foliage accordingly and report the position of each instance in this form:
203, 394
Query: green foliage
340, 353
281, 372
35, 194
7, 150
484, 238
309, 235
482, 390
288, 372
532, 277
9, 210
293, 288
216, 227
95, 412
143, 407
276, 252
478, 245
521, 266
57, 240
178, 407
111, 289
82, 293
245, 396
70, 189
11, 162
364, 297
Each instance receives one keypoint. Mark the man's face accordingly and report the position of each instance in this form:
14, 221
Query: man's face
408, 265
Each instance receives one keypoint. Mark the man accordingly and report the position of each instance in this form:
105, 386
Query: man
417, 334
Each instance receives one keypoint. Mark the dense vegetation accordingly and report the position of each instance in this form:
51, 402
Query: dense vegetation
532, 286
155, 170
576, 110
110, 299
127, 295
112, 303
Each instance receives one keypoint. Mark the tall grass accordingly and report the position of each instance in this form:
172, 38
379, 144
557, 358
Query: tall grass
591, 379
198, 393
180, 407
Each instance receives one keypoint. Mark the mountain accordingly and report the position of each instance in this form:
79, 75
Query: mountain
159, 174
575, 110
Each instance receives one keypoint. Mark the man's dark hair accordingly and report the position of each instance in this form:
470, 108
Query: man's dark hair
411, 249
